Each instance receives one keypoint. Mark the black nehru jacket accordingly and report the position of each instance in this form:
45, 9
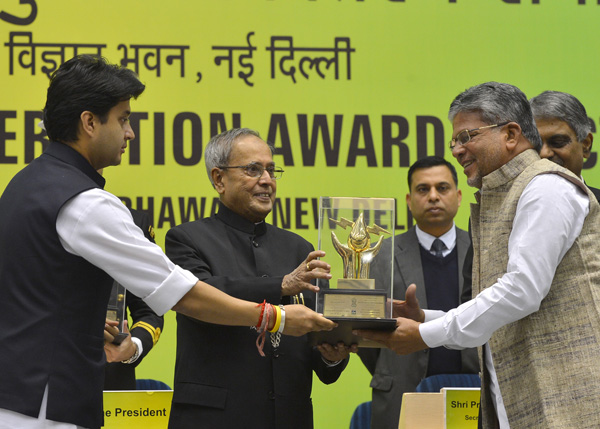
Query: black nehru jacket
221, 381
52, 303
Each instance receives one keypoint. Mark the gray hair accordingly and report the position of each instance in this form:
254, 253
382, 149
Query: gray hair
218, 149
496, 103
564, 107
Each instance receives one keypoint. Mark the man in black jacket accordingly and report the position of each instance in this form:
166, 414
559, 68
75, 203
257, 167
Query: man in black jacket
219, 377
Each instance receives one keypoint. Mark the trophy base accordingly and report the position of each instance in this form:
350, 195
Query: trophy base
119, 338
356, 284
346, 325
354, 303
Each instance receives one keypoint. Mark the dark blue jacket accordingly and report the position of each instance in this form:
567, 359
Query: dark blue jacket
52, 303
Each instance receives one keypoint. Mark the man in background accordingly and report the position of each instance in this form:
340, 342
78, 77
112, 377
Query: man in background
565, 130
220, 380
431, 254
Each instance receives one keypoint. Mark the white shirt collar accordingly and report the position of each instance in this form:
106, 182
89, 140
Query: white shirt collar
426, 240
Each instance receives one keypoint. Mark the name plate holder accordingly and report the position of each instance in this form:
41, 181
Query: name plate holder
422, 410
452, 408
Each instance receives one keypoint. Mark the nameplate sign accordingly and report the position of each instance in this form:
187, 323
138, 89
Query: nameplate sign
461, 407
137, 408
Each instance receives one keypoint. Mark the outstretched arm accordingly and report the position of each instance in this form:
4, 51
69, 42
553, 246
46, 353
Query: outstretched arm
209, 304
95, 223
404, 340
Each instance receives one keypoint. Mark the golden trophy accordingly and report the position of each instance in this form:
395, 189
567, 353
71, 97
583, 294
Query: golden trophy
352, 298
358, 254
116, 310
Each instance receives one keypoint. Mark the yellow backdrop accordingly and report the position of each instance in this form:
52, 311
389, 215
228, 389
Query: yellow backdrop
351, 92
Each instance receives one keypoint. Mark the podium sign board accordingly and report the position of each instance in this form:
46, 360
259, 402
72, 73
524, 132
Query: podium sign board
137, 409
461, 407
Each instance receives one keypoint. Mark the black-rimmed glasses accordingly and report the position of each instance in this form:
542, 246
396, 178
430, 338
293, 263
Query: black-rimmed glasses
464, 136
256, 170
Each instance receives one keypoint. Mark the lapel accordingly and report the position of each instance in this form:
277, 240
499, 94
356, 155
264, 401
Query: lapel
462, 245
408, 268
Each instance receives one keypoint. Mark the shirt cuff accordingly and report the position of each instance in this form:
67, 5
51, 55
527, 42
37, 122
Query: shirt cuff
433, 314
136, 354
138, 343
171, 290
433, 332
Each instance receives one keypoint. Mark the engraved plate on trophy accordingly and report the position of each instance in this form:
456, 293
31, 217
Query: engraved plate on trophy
364, 304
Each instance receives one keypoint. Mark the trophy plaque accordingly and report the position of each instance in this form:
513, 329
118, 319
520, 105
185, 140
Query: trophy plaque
116, 310
352, 232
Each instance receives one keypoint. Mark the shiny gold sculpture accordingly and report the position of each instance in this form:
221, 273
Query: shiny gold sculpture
358, 254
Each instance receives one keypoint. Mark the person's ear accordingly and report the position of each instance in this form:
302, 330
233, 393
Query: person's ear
587, 143
408, 202
512, 135
87, 121
217, 178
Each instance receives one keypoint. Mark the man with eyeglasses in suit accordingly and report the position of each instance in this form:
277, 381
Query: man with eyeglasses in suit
220, 378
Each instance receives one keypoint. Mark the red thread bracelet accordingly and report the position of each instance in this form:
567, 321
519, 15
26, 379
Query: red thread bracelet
262, 332
262, 311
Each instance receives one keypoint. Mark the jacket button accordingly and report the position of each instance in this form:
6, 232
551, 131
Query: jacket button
271, 395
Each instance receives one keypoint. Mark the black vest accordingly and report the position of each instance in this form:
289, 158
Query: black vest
52, 303
441, 286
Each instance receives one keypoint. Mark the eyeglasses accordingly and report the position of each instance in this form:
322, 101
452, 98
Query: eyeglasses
256, 170
465, 136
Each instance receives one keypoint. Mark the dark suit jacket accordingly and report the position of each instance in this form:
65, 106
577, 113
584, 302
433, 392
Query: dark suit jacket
221, 381
393, 374
146, 324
